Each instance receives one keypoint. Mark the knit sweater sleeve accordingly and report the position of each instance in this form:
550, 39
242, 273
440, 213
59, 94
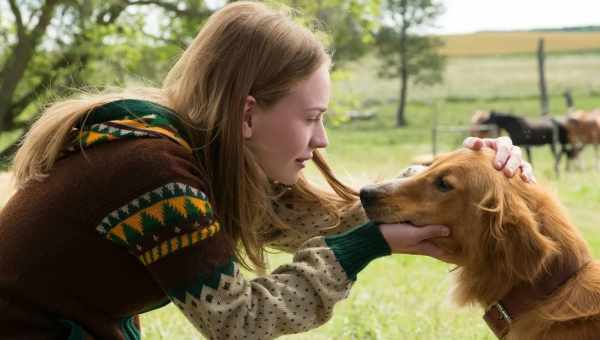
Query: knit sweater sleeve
172, 231
295, 297
306, 219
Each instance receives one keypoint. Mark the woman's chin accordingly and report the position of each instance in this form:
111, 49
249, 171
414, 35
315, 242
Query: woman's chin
287, 179
290, 181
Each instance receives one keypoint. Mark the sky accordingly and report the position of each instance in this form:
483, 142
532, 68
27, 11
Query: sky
465, 16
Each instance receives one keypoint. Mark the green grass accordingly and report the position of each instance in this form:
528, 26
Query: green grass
479, 80
406, 297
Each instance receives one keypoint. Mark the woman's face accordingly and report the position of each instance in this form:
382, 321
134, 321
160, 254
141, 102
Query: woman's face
284, 136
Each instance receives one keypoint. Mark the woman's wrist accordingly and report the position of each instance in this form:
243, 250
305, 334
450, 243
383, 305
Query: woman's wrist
357, 247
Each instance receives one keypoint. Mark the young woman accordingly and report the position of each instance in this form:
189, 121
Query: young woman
131, 200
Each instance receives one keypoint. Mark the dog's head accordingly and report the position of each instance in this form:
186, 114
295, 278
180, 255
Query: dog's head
493, 219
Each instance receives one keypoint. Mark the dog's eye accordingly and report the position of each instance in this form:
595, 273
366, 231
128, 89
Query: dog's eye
442, 185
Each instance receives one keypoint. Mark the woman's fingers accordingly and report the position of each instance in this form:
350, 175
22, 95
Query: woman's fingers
527, 173
429, 249
430, 231
406, 238
504, 148
514, 161
509, 158
473, 143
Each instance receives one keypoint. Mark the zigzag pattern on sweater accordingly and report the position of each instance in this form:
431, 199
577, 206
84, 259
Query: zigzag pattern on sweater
205, 286
160, 222
151, 125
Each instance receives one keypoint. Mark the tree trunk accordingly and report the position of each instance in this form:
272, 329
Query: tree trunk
16, 64
47, 77
400, 118
13, 72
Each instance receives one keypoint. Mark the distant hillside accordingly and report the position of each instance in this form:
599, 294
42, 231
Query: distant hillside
513, 42
569, 29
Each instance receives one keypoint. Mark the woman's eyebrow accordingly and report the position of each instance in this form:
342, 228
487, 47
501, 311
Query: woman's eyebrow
316, 108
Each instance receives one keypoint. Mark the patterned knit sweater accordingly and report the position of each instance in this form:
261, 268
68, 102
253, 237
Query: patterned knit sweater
123, 227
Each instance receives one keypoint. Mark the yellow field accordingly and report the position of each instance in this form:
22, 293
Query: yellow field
499, 43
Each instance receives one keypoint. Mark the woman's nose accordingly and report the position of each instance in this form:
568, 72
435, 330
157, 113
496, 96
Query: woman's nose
319, 138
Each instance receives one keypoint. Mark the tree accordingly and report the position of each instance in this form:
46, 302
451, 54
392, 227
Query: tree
51, 48
405, 54
15, 64
68, 44
350, 24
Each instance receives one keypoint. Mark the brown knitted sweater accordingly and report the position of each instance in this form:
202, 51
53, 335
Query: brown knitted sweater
124, 227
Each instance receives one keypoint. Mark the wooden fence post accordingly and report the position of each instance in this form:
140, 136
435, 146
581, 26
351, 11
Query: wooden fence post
543, 94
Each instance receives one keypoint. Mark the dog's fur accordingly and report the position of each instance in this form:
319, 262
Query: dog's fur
504, 232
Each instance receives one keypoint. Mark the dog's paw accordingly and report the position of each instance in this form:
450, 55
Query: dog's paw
412, 170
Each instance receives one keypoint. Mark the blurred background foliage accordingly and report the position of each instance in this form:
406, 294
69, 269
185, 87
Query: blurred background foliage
53, 48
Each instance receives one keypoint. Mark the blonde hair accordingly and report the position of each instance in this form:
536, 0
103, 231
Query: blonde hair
244, 49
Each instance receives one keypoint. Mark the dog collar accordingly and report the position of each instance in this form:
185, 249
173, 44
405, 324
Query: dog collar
522, 298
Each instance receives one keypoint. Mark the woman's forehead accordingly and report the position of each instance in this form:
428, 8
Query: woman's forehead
315, 90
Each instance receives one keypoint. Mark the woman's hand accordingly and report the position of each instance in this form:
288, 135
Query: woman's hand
405, 238
508, 157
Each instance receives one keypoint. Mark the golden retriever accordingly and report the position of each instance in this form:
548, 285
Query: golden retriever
512, 242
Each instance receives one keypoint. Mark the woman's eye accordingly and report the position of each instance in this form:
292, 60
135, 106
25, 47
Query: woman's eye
442, 185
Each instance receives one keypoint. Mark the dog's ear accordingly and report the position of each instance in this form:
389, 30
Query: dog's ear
515, 236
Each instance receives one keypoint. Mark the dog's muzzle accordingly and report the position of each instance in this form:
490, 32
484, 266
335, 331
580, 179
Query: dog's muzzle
371, 193
412, 170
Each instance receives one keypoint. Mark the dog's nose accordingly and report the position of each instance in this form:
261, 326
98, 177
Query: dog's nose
367, 196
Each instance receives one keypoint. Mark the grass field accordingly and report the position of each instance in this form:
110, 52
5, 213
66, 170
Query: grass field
484, 81
406, 297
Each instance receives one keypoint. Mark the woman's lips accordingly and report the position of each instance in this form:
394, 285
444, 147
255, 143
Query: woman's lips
302, 161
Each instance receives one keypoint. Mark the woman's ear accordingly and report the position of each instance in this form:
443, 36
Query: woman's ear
249, 109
